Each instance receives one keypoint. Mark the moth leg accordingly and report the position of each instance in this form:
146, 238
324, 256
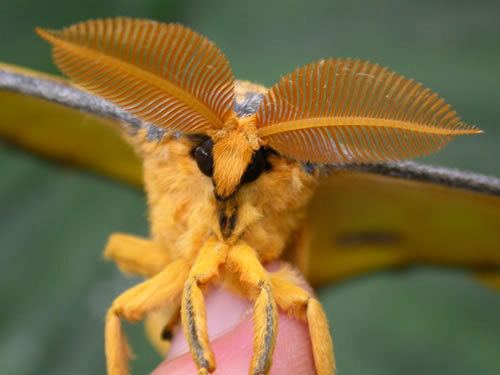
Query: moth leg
299, 303
254, 278
159, 326
134, 304
193, 316
135, 255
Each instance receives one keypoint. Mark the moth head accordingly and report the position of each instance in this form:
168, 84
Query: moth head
232, 156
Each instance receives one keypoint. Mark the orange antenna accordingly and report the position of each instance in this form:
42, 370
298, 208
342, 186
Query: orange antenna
165, 74
352, 111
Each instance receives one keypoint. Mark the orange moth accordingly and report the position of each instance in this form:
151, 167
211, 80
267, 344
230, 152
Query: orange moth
229, 169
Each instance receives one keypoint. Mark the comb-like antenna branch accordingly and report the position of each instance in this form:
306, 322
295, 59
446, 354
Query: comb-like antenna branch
165, 74
351, 111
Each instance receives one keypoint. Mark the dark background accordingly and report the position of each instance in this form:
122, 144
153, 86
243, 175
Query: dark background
54, 221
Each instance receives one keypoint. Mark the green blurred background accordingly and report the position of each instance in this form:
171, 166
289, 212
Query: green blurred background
54, 221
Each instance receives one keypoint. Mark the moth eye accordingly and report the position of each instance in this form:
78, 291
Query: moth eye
256, 167
204, 158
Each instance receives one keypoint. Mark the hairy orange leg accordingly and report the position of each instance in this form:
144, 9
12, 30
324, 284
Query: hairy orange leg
299, 303
139, 256
244, 261
135, 255
134, 304
193, 315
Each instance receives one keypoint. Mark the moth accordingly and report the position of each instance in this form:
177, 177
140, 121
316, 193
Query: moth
229, 168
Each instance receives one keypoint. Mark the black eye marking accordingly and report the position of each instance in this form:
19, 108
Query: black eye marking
204, 157
258, 165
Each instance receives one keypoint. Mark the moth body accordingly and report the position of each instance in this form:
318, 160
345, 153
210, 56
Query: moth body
185, 208
224, 174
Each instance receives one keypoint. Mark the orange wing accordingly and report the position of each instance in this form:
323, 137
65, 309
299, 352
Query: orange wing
393, 216
52, 117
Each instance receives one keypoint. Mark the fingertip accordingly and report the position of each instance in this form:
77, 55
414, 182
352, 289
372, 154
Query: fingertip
230, 328
233, 351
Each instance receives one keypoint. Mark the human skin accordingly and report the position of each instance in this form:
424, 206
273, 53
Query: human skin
230, 329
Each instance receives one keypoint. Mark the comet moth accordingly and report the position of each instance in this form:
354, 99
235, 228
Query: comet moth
237, 175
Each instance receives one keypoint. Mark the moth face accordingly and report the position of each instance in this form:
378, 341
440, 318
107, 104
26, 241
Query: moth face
231, 162
250, 186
